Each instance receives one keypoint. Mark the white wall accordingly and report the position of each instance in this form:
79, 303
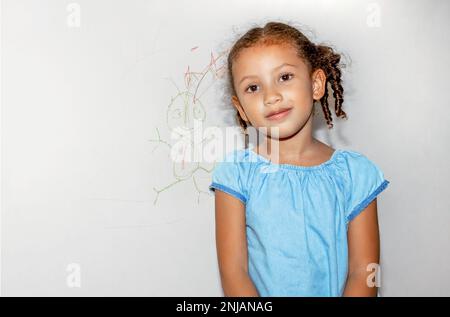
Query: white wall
79, 105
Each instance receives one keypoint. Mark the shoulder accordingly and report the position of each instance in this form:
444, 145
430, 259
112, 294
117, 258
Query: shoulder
234, 160
238, 162
357, 162
360, 172
230, 174
364, 180
356, 170
236, 156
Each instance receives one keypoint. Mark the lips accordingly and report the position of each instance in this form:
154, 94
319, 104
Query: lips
278, 114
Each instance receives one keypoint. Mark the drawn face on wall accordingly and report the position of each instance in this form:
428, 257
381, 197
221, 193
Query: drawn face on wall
185, 114
273, 78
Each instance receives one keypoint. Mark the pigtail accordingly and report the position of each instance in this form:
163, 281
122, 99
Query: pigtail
328, 61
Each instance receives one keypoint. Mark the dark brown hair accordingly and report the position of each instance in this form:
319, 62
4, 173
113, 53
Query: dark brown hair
315, 56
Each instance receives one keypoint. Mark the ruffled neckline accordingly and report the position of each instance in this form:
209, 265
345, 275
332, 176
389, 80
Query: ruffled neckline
258, 157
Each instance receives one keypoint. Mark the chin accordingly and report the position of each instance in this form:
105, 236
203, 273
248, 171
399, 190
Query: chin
285, 130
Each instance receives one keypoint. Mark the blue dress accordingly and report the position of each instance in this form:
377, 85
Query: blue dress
297, 217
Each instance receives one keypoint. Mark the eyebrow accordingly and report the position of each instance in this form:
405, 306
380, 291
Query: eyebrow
250, 76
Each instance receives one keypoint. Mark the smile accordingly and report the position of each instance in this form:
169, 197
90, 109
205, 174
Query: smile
280, 115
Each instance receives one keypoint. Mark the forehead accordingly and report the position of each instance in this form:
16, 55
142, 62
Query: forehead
265, 57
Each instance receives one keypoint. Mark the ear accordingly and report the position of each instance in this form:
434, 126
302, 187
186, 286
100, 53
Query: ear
319, 81
239, 108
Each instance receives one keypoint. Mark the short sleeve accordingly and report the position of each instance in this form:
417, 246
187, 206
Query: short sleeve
366, 181
226, 177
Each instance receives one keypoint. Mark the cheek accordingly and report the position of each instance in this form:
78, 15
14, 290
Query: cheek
252, 103
300, 94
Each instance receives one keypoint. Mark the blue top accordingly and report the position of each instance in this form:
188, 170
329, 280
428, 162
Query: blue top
297, 217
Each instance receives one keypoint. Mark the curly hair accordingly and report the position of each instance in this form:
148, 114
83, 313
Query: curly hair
314, 55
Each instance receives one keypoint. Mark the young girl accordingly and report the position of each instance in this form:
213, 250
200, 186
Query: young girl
309, 227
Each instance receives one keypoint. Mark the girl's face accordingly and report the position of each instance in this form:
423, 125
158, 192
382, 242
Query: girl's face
272, 78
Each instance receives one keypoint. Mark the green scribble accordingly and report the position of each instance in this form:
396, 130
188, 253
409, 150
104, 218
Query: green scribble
185, 107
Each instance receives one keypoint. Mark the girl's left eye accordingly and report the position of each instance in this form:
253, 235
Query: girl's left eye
287, 76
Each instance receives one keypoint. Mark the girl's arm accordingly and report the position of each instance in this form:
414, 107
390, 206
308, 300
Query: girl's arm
231, 244
364, 249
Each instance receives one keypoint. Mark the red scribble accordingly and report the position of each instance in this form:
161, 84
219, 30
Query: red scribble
211, 67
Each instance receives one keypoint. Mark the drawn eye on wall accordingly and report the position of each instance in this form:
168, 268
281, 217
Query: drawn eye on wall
183, 110
198, 111
177, 113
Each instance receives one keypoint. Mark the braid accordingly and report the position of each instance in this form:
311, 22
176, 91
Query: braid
325, 109
328, 61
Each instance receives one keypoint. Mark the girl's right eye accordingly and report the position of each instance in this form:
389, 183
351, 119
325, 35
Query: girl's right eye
250, 87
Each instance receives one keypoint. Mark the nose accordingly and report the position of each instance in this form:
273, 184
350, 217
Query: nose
271, 97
